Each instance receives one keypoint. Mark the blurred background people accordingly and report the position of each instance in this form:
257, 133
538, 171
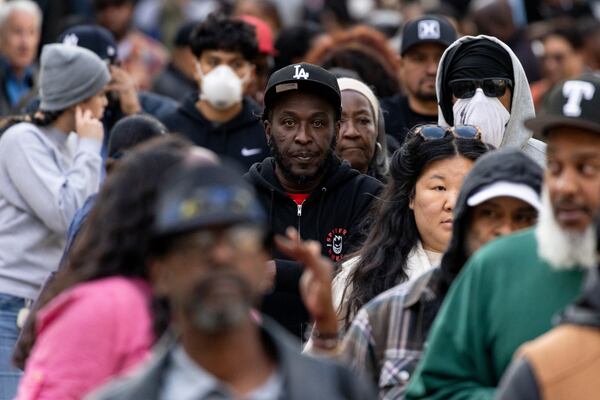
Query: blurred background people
141, 56
423, 43
177, 79
20, 30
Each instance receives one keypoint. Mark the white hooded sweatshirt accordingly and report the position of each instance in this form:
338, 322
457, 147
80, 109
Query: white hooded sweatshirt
515, 134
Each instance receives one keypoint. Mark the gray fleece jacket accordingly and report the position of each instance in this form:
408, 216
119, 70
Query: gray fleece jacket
515, 134
45, 176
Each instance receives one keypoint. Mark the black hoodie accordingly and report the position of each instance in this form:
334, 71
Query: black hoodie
331, 215
241, 139
507, 164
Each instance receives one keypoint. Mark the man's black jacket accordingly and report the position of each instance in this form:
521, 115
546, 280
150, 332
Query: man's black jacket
331, 215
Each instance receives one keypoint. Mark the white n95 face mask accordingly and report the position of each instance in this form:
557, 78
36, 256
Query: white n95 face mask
221, 87
487, 113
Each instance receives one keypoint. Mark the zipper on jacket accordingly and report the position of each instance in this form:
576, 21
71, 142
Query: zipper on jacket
299, 216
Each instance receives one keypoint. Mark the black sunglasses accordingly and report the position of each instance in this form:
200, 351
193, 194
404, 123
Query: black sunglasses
433, 132
492, 87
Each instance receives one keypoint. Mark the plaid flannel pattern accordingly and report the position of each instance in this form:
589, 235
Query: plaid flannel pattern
386, 338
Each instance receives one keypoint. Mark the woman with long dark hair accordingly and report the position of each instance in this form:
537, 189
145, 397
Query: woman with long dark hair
412, 221
95, 318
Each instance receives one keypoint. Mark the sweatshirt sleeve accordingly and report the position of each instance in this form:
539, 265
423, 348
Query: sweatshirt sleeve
456, 363
52, 194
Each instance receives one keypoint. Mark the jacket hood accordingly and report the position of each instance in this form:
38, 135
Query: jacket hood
515, 134
249, 115
262, 174
509, 165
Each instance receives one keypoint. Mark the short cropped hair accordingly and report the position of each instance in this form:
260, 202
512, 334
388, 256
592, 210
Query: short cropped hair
218, 32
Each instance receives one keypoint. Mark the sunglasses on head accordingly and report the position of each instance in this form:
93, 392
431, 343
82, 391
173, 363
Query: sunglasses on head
492, 87
433, 132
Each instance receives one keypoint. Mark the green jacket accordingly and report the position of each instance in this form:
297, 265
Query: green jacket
505, 296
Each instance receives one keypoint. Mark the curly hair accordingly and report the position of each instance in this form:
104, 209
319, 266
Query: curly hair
219, 32
394, 233
115, 239
363, 50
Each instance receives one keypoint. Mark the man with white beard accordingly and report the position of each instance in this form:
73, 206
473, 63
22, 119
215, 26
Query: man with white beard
510, 290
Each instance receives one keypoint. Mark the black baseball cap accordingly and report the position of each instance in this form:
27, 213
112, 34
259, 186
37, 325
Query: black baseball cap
303, 77
92, 37
574, 103
427, 29
198, 197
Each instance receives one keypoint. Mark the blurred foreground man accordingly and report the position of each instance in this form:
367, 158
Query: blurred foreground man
212, 252
510, 290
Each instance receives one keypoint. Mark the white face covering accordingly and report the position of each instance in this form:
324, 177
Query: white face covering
485, 112
221, 87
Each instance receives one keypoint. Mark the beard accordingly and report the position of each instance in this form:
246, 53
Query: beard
301, 180
213, 311
563, 249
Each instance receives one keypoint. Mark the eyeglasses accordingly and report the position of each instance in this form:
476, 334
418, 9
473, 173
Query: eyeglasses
492, 87
433, 132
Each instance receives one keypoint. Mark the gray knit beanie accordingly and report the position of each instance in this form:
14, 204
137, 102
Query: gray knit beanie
69, 75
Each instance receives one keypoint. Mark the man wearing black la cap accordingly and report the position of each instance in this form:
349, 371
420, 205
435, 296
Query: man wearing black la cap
521, 281
208, 263
304, 184
423, 41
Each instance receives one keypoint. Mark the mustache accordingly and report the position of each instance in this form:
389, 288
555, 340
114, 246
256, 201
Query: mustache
214, 312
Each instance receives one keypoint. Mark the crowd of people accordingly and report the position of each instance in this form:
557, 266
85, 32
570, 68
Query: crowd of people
269, 199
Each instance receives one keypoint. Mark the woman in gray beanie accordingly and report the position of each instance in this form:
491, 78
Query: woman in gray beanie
49, 164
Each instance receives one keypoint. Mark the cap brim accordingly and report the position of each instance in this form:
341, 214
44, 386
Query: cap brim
435, 41
542, 123
519, 191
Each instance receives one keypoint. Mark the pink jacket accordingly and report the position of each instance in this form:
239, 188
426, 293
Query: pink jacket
85, 336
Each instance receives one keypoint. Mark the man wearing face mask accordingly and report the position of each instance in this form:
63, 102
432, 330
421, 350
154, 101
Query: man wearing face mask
219, 117
481, 82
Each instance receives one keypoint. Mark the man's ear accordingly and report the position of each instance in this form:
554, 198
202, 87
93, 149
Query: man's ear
197, 72
338, 130
267, 126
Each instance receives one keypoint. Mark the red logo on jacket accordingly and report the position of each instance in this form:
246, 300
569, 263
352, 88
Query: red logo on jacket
335, 243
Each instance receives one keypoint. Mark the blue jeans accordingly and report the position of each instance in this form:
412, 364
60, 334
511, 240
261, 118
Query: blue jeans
9, 375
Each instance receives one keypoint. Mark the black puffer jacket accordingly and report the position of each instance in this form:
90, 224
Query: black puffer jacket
331, 215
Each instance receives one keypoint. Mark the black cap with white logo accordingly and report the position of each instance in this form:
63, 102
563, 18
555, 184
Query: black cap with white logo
303, 77
92, 37
574, 103
427, 29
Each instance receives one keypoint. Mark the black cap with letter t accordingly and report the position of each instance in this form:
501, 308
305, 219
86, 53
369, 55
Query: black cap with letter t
303, 77
574, 103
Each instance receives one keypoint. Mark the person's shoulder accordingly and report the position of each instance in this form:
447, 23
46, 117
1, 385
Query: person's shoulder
105, 293
21, 132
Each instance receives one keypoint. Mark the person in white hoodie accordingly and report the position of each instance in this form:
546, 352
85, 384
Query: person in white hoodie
49, 164
480, 81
